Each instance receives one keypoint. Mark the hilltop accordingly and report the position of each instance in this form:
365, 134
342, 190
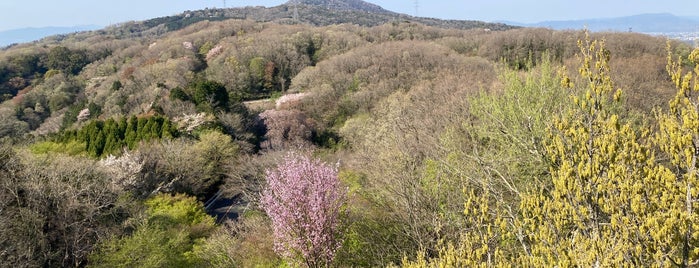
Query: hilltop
310, 12
345, 5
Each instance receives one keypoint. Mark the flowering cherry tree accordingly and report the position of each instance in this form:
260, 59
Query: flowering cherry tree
304, 197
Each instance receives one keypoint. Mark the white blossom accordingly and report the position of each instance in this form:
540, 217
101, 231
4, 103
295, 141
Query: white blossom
124, 169
83, 115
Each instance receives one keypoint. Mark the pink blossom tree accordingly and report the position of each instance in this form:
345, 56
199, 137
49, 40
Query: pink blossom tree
304, 199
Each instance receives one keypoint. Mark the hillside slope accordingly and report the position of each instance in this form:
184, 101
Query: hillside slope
109, 136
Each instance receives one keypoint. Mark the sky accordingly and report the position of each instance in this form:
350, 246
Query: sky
41, 13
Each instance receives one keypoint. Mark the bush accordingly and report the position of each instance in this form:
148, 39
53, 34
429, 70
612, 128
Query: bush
166, 238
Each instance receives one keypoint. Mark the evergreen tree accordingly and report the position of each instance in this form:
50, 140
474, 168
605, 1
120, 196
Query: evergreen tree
111, 136
121, 128
210, 96
145, 131
166, 130
131, 135
140, 126
156, 127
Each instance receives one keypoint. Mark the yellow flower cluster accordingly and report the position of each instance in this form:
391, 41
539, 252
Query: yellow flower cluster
611, 202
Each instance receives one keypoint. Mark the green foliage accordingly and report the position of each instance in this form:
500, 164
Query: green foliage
173, 227
110, 137
178, 210
18, 70
210, 96
609, 202
203, 49
51, 73
179, 94
26, 65
503, 142
71, 115
246, 242
214, 151
116, 85
66, 60
257, 73
48, 147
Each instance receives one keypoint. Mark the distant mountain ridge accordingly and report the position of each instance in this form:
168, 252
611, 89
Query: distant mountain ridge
24, 35
658, 22
313, 12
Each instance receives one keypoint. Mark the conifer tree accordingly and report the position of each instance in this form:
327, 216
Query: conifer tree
155, 128
146, 133
140, 126
130, 137
166, 130
111, 136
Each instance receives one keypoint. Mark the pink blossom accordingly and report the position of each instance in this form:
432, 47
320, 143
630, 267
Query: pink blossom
188, 45
304, 198
214, 52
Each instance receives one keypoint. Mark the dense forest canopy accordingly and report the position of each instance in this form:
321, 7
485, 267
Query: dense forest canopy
406, 142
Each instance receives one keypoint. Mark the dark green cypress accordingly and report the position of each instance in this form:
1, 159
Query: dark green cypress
131, 132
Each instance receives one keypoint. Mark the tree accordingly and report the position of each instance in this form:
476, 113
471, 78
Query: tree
286, 129
210, 96
66, 60
304, 199
54, 209
609, 202
605, 196
10, 126
166, 238
214, 152
678, 138
495, 155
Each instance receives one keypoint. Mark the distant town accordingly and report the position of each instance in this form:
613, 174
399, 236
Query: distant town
689, 37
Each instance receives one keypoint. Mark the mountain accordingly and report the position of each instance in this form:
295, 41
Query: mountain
30, 34
648, 23
346, 5
111, 140
311, 12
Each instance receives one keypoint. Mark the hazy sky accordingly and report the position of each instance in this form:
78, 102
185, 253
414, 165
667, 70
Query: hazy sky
39, 13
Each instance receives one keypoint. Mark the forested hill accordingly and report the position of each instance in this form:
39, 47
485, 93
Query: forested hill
112, 141
348, 5
311, 12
